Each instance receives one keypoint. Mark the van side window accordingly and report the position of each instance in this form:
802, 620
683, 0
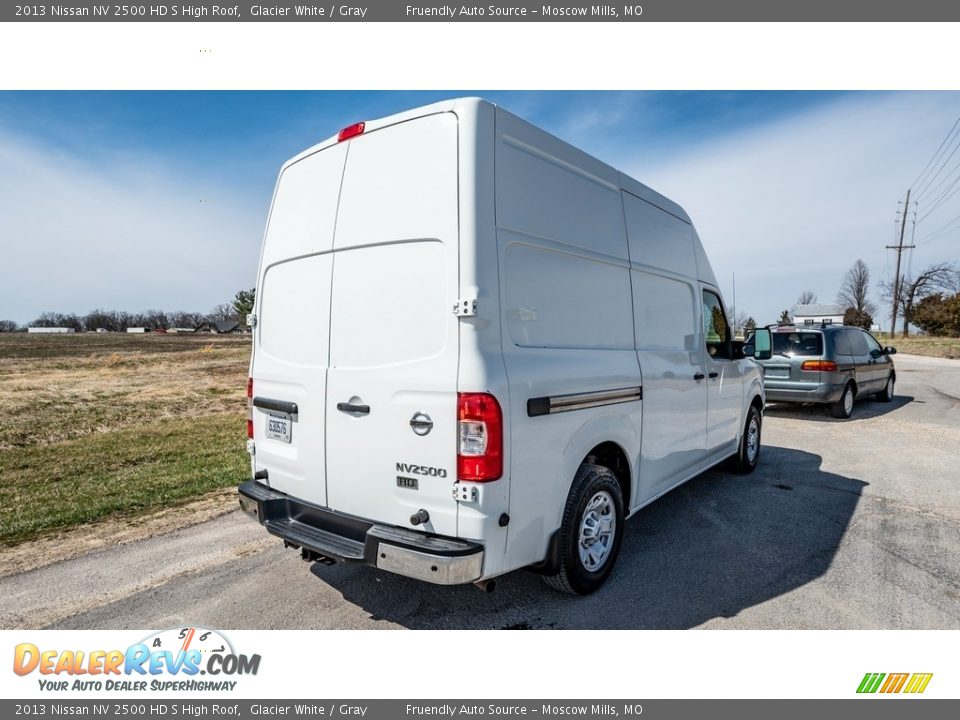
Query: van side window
716, 331
873, 347
841, 343
858, 346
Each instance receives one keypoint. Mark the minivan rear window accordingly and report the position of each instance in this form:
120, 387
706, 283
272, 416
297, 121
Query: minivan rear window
798, 343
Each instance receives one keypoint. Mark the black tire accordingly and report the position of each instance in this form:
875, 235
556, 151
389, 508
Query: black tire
843, 408
748, 454
574, 577
886, 395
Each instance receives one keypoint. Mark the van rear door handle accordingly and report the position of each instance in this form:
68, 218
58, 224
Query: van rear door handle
699, 376
714, 375
348, 408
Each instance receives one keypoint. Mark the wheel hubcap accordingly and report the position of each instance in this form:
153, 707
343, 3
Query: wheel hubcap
753, 440
848, 401
597, 530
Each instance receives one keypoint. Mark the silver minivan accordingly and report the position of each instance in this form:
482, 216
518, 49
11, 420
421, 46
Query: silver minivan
828, 364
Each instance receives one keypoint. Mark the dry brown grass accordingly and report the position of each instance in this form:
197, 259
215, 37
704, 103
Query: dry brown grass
114, 426
71, 395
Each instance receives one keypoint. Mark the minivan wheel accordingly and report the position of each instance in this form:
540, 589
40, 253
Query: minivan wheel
843, 407
590, 533
748, 455
886, 395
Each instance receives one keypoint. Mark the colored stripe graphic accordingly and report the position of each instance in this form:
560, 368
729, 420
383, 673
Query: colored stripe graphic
870, 682
894, 682
918, 683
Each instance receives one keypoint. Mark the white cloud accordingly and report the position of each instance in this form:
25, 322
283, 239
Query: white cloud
791, 205
130, 235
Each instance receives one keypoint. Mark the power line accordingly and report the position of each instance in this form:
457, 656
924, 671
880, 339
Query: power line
942, 198
936, 234
942, 151
934, 156
930, 180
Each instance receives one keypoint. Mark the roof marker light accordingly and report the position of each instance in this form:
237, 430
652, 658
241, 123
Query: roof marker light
351, 131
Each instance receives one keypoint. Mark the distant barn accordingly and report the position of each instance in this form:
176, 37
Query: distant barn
136, 330
220, 326
48, 330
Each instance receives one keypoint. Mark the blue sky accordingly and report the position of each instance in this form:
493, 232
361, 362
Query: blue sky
134, 200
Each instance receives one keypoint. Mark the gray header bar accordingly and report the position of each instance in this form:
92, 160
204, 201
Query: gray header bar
500, 11
143, 708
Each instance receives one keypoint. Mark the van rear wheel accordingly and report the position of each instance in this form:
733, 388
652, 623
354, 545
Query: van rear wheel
590, 533
843, 408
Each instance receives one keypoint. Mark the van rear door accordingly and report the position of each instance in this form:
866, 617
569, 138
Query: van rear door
291, 350
391, 439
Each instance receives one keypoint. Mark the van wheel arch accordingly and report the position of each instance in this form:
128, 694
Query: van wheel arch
613, 457
589, 538
608, 455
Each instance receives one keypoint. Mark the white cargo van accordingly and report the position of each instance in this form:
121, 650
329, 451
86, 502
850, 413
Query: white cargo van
477, 349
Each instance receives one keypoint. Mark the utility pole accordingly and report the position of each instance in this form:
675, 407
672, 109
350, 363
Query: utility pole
734, 304
896, 280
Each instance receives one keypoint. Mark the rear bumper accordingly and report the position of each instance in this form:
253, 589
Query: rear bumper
824, 393
440, 560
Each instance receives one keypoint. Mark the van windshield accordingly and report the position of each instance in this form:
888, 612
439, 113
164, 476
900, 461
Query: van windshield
797, 343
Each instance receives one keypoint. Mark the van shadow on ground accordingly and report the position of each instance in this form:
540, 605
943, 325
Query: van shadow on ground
864, 409
717, 545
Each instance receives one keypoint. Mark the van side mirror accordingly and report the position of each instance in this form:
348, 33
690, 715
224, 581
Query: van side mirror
889, 350
762, 346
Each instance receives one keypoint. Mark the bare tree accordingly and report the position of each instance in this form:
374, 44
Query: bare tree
183, 319
854, 289
224, 311
55, 319
739, 321
807, 297
8, 326
938, 278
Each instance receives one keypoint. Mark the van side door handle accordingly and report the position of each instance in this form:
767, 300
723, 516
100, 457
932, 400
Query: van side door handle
699, 376
714, 375
348, 408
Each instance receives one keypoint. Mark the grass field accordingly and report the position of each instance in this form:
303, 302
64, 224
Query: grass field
105, 425
929, 346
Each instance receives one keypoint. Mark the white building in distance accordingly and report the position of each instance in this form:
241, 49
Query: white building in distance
817, 314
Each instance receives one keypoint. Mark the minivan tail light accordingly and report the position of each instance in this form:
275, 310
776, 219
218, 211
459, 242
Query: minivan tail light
249, 408
819, 366
479, 437
351, 131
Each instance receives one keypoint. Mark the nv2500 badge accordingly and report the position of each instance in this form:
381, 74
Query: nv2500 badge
425, 470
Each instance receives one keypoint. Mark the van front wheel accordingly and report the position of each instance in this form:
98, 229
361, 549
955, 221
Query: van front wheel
590, 533
748, 454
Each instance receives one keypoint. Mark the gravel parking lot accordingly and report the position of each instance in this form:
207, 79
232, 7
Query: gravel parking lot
846, 524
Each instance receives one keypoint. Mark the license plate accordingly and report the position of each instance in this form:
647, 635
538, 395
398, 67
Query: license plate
278, 427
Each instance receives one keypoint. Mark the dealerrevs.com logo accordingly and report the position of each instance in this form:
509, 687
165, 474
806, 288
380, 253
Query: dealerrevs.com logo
173, 659
912, 683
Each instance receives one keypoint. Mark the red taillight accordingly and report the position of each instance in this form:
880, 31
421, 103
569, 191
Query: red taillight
819, 366
351, 131
479, 437
250, 408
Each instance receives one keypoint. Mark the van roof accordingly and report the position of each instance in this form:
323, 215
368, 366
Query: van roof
626, 182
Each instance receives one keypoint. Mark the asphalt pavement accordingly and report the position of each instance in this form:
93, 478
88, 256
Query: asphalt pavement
845, 524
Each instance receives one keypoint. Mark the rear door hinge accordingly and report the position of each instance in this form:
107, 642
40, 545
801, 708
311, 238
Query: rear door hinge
465, 493
465, 308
